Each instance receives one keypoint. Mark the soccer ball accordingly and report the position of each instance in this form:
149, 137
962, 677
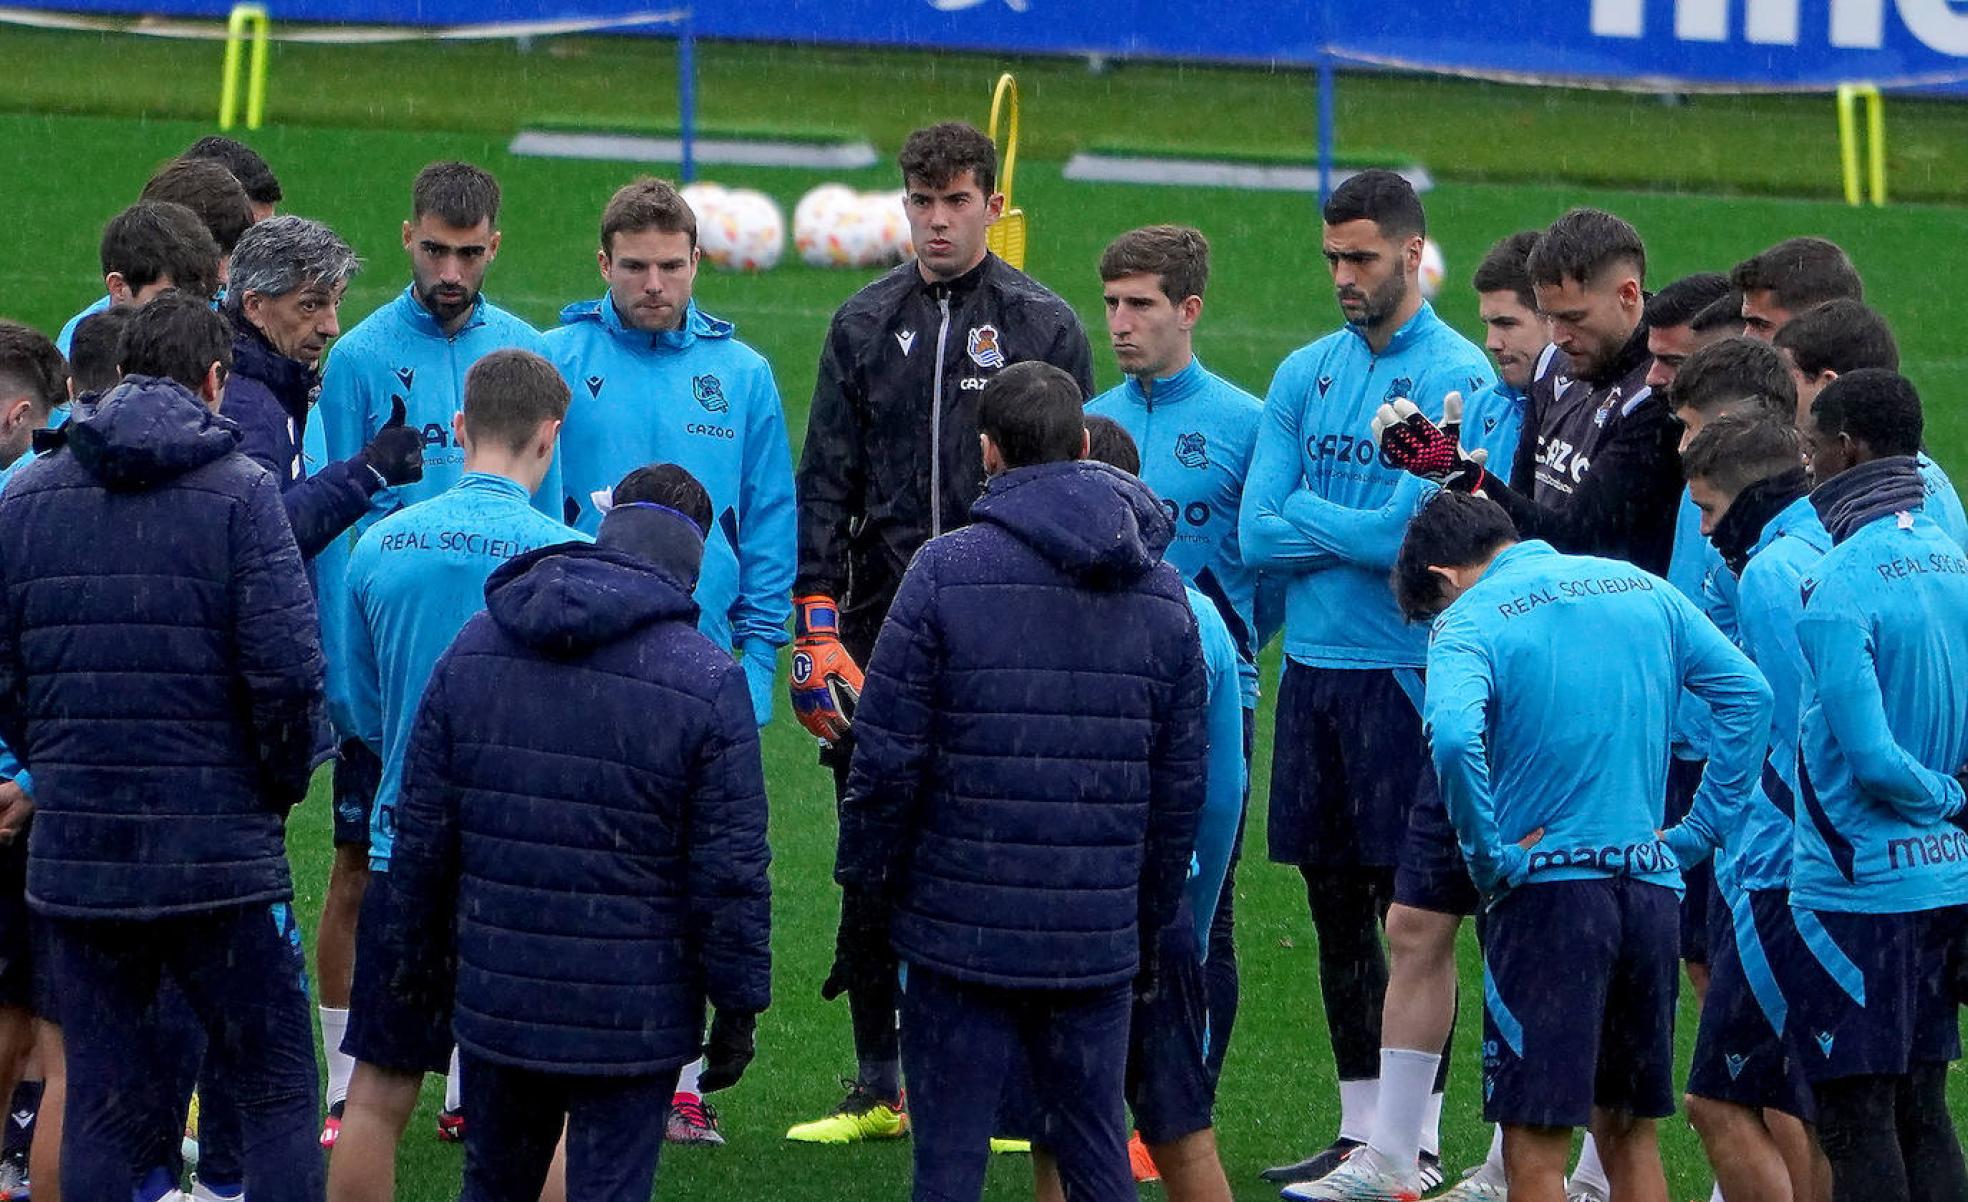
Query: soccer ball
1433, 270
853, 238
747, 232
703, 198
815, 217
884, 209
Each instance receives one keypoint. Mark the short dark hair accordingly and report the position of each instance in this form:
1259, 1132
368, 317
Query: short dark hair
261, 185
208, 189
1034, 413
1737, 449
1175, 254
1800, 273
1455, 530
1681, 301
1725, 312
1506, 267
158, 239
30, 364
508, 393
1109, 442
177, 337
938, 154
1840, 335
1735, 369
670, 486
455, 193
1583, 243
1877, 407
1383, 197
95, 350
647, 203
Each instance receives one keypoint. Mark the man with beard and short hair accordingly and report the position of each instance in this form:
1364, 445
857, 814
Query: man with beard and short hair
1823, 343
1324, 512
1790, 277
1598, 468
413, 352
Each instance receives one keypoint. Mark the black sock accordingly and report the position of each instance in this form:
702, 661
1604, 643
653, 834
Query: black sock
1858, 1128
1928, 1145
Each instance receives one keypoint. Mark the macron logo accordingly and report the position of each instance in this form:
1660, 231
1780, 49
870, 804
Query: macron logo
906, 339
1735, 1064
406, 374
594, 384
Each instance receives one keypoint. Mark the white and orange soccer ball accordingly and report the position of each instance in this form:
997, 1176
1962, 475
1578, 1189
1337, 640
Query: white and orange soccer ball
747, 232
1433, 269
885, 210
815, 218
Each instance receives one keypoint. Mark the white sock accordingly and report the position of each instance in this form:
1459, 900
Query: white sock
1357, 1100
453, 1095
1431, 1125
1715, 1195
687, 1079
1495, 1158
334, 1025
1589, 1171
1400, 1110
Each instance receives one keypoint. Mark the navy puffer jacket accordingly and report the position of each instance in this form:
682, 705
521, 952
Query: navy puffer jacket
583, 812
160, 667
1029, 750
268, 395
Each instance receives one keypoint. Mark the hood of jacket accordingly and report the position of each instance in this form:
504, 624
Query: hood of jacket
291, 382
1097, 524
146, 431
570, 598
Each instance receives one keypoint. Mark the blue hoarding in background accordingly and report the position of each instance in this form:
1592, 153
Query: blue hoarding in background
1723, 43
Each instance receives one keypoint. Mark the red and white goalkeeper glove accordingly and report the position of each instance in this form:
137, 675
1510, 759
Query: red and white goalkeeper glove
1410, 441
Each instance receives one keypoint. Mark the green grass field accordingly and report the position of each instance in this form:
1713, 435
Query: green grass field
351, 128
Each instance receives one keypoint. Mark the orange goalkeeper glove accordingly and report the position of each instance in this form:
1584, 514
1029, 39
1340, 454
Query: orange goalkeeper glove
826, 681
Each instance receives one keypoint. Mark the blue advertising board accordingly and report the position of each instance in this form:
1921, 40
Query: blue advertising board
1775, 44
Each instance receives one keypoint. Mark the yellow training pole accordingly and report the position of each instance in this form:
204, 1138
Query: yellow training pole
1873, 180
245, 19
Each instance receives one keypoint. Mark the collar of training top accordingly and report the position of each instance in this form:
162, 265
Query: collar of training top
963, 285
1411, 329
1167, 390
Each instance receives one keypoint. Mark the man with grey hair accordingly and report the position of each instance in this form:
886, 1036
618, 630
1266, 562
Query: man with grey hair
288, 278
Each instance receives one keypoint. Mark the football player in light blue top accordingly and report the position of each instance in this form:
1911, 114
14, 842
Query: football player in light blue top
1879, 886
1746, 1093
412, 353
1555, 786
1516, 338
1323, 513
655, 379
414, 579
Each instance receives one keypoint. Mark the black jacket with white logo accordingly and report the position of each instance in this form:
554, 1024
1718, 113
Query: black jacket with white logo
891, 457
1598, 470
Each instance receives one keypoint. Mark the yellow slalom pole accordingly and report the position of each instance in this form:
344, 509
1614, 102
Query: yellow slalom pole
1872, 181
1007, 237
245, 19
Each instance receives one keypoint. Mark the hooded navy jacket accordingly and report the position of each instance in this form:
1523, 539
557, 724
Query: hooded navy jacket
267, 395
582, 823
1030, 745
160, 668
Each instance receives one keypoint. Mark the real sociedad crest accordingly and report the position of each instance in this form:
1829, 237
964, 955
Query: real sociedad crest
983, 347
709, 393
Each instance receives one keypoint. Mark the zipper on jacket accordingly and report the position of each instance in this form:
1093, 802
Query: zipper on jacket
936, 423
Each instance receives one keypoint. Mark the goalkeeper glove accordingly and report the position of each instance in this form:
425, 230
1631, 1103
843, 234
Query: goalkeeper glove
396, 454
826, 683
1411, 442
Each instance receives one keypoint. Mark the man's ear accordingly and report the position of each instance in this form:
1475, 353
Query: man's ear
1189, 312
16, 411
547, 436
1086, 444
458, 438
118, 288
212, 388
993, 458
